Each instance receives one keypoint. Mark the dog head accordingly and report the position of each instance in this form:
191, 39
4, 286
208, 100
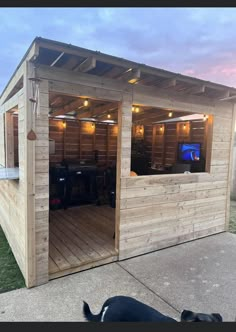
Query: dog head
190, 316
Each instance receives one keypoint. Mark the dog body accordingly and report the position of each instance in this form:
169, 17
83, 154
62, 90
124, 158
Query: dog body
125, 309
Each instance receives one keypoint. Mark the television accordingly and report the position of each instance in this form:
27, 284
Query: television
189, 152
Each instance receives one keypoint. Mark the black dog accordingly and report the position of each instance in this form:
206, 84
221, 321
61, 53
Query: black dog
190, 316
125, 309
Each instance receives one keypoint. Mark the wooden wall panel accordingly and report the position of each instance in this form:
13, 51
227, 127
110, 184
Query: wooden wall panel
166, 138
162, 210
41, 187
80, 139
12, 204
2, 140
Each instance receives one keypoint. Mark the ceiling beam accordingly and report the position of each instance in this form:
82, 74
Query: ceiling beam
98, 111
67, 108
195, 90
150, 118
57, 59
131, 75
168, 83
105, 108
86, 65
224, 95
57, 100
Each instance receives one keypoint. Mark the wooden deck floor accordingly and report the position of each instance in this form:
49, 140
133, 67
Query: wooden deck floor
80, 238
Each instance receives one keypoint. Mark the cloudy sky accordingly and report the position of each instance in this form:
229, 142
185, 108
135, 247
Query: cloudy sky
199, 42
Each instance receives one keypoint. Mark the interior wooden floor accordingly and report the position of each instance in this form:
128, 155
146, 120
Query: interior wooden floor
80, 238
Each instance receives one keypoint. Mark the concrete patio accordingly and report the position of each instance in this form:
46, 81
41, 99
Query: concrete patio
198, 275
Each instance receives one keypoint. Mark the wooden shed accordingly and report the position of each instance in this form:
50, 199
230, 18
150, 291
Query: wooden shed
103, 159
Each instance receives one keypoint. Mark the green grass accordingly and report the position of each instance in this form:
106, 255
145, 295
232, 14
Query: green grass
232, 222
10, 274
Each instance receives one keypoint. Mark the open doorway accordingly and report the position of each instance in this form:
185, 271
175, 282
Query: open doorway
82, 174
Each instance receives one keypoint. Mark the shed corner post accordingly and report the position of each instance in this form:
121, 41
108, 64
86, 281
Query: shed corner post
230, 168
36, 177
29, 185
123, 154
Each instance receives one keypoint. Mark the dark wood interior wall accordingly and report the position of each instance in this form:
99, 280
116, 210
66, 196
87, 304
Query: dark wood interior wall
81, 139
165, 140
148, 140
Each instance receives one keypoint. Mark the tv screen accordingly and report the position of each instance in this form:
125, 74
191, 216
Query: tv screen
189, 152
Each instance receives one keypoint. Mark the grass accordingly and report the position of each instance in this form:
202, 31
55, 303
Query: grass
10, 274
232, 223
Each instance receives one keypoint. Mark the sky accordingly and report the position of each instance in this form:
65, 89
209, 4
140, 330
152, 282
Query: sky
199, 42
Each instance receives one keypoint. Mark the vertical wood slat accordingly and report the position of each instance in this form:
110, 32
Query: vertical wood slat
9, 139
230, 168
42, 186
123, 154
29, 192
2, 140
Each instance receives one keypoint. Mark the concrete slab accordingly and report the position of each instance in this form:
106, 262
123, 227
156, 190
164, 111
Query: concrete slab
61, 299
198, 275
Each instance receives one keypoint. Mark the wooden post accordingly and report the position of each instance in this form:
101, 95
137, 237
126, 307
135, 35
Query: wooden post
123, 153
208, 136
29, 162
230, 168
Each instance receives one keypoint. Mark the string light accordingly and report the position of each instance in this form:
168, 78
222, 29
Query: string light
108, 116
170, 114
86, 102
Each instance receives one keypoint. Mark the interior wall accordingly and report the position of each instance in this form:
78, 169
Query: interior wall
166, 138
80, 139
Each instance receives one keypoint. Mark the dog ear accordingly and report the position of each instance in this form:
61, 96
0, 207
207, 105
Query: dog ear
218, 317
187, 316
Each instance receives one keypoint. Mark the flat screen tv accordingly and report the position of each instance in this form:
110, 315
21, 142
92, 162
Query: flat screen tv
189, 152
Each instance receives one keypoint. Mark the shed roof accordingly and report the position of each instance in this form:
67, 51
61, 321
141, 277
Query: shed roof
61, 55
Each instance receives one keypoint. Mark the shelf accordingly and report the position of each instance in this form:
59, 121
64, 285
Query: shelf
9, 173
